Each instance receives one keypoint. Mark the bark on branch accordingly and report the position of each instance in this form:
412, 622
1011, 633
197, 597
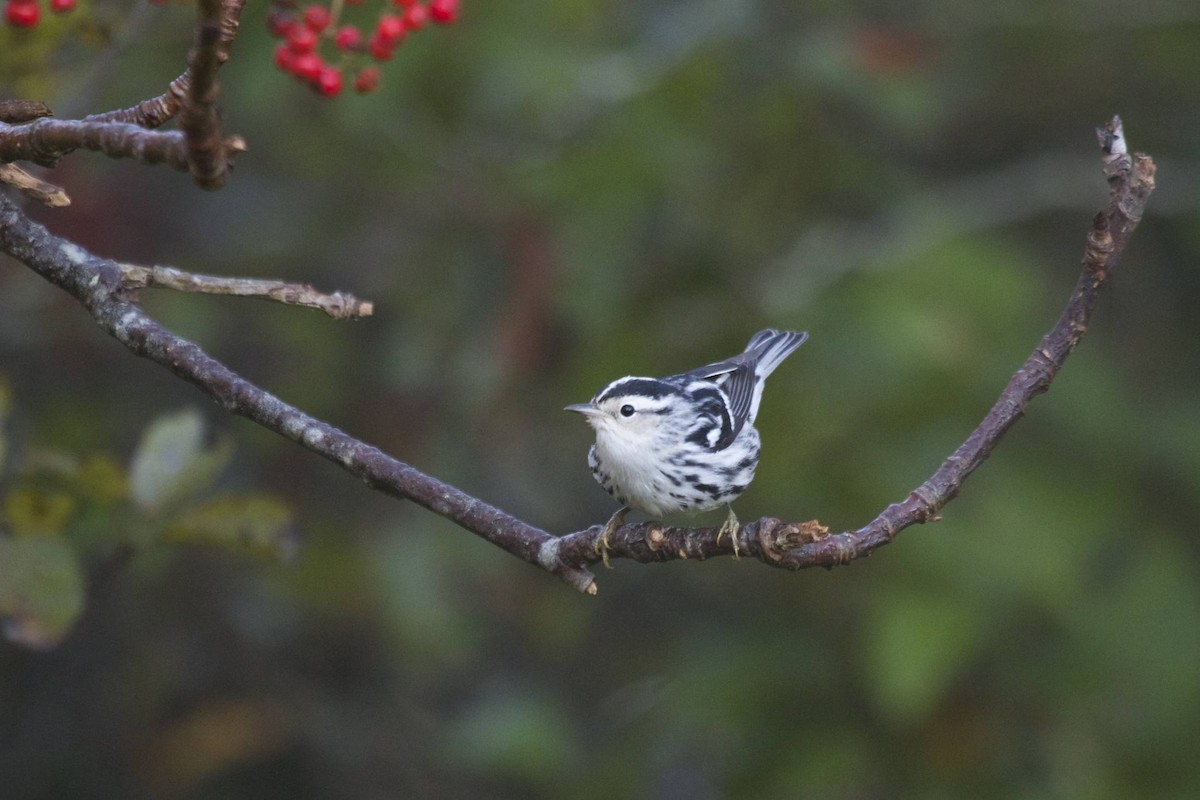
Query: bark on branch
46, 140
26, 184
98, 284
201, 127
27, 133
159, 110
339, 305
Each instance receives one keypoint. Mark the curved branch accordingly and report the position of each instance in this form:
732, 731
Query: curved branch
97, 283
799, 545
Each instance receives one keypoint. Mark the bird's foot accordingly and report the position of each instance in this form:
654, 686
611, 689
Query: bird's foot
615, 521
730, 528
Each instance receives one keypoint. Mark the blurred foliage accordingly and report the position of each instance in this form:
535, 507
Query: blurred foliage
60, 512
542, 198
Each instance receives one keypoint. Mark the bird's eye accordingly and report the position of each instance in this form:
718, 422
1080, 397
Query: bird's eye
626, 410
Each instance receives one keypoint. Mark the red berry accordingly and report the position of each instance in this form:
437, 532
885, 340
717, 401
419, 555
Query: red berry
414, 17
404, 3
280, 23
366, 80
62, 6
329, 81
285, 58
317, 18
347, 38
22, 13
443, 12
307, 66
381, 49
301, 39
390, 29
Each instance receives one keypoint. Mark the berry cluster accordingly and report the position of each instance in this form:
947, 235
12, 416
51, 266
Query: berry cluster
26, 13
304, 32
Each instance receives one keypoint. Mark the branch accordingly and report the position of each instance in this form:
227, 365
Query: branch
199, 149
45, 141
16, 111
339, 305
39, 190
159, 110
798, 545
198, 120
97, 283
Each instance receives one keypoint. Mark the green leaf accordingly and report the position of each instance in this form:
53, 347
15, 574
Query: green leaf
171, 463
41, 590
38, 511
262, 525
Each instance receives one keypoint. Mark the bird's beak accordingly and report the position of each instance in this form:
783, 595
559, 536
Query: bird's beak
587, 409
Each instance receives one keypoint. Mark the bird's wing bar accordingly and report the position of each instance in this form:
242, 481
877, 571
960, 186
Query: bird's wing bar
735, 376
741, 376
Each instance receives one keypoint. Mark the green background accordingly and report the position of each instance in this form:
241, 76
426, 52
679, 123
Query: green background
549, 195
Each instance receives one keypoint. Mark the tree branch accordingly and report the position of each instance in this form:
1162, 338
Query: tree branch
17, 111
159, 110
339, 305
98, 284
45, 141
198, 120
798, 545
26, 184
126, 133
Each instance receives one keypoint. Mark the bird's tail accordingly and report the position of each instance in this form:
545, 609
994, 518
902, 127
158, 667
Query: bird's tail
771, 347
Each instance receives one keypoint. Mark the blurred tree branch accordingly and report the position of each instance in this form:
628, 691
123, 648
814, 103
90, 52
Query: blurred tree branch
106, 287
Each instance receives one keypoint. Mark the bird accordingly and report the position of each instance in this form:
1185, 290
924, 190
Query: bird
684, 443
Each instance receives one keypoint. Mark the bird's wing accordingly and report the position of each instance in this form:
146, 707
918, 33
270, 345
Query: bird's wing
735, 377
741, 377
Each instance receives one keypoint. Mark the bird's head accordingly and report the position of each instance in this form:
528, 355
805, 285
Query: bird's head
631, 410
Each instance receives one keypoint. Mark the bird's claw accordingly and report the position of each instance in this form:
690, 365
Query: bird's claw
730, 527
602, 544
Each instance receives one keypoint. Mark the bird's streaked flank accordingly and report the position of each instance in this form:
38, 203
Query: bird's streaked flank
684, 443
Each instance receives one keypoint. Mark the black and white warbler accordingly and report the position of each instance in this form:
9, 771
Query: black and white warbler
685, 443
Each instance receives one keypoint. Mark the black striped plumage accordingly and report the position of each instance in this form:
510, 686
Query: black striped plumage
685, 442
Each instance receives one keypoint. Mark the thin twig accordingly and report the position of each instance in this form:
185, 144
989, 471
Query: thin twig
339, 305
39, 190
17, 111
